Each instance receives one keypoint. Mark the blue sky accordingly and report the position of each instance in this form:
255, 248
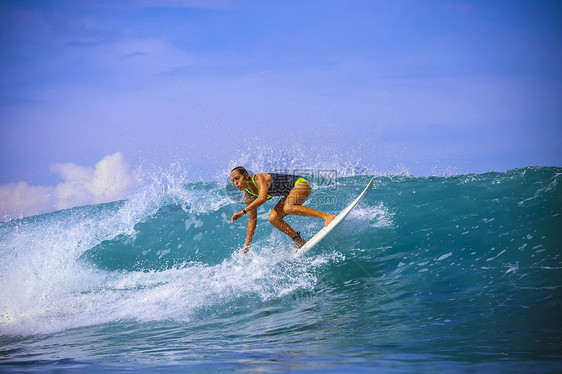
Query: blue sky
476, 87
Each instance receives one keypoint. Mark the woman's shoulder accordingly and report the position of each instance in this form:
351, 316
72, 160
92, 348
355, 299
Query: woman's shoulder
262, 176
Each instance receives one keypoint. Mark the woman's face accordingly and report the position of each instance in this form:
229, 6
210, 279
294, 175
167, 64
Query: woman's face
238, 180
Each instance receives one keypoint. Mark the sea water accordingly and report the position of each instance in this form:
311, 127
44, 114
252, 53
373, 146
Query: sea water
459, 274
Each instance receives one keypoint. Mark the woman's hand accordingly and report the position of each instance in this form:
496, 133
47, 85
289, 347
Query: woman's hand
236, 215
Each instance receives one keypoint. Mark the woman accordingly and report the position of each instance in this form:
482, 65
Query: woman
260, 187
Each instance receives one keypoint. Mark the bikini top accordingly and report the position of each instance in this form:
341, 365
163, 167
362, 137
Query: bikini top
281, 184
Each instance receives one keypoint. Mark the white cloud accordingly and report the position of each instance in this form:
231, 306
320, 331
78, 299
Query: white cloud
110, 180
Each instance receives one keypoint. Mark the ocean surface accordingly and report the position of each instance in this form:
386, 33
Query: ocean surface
434, 274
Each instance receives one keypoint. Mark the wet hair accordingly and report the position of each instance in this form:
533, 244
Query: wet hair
241, 169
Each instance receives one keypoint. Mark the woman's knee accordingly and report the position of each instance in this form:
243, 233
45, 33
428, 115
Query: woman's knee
289, 208
273, 216
292, 203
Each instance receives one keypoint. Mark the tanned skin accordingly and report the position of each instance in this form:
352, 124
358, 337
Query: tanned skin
292, 204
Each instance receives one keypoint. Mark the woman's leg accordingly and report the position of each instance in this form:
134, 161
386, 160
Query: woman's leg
295, 199
276, 219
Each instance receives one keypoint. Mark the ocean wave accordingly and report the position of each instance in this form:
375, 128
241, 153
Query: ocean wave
443, 250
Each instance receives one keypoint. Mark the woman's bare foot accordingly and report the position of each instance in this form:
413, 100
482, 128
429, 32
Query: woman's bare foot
329, 219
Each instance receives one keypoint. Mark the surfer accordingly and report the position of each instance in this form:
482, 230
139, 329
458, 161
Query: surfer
261, 187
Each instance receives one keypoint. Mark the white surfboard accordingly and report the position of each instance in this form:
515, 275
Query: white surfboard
326, 230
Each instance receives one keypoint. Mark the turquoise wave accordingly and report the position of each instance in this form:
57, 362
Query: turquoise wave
461, 266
